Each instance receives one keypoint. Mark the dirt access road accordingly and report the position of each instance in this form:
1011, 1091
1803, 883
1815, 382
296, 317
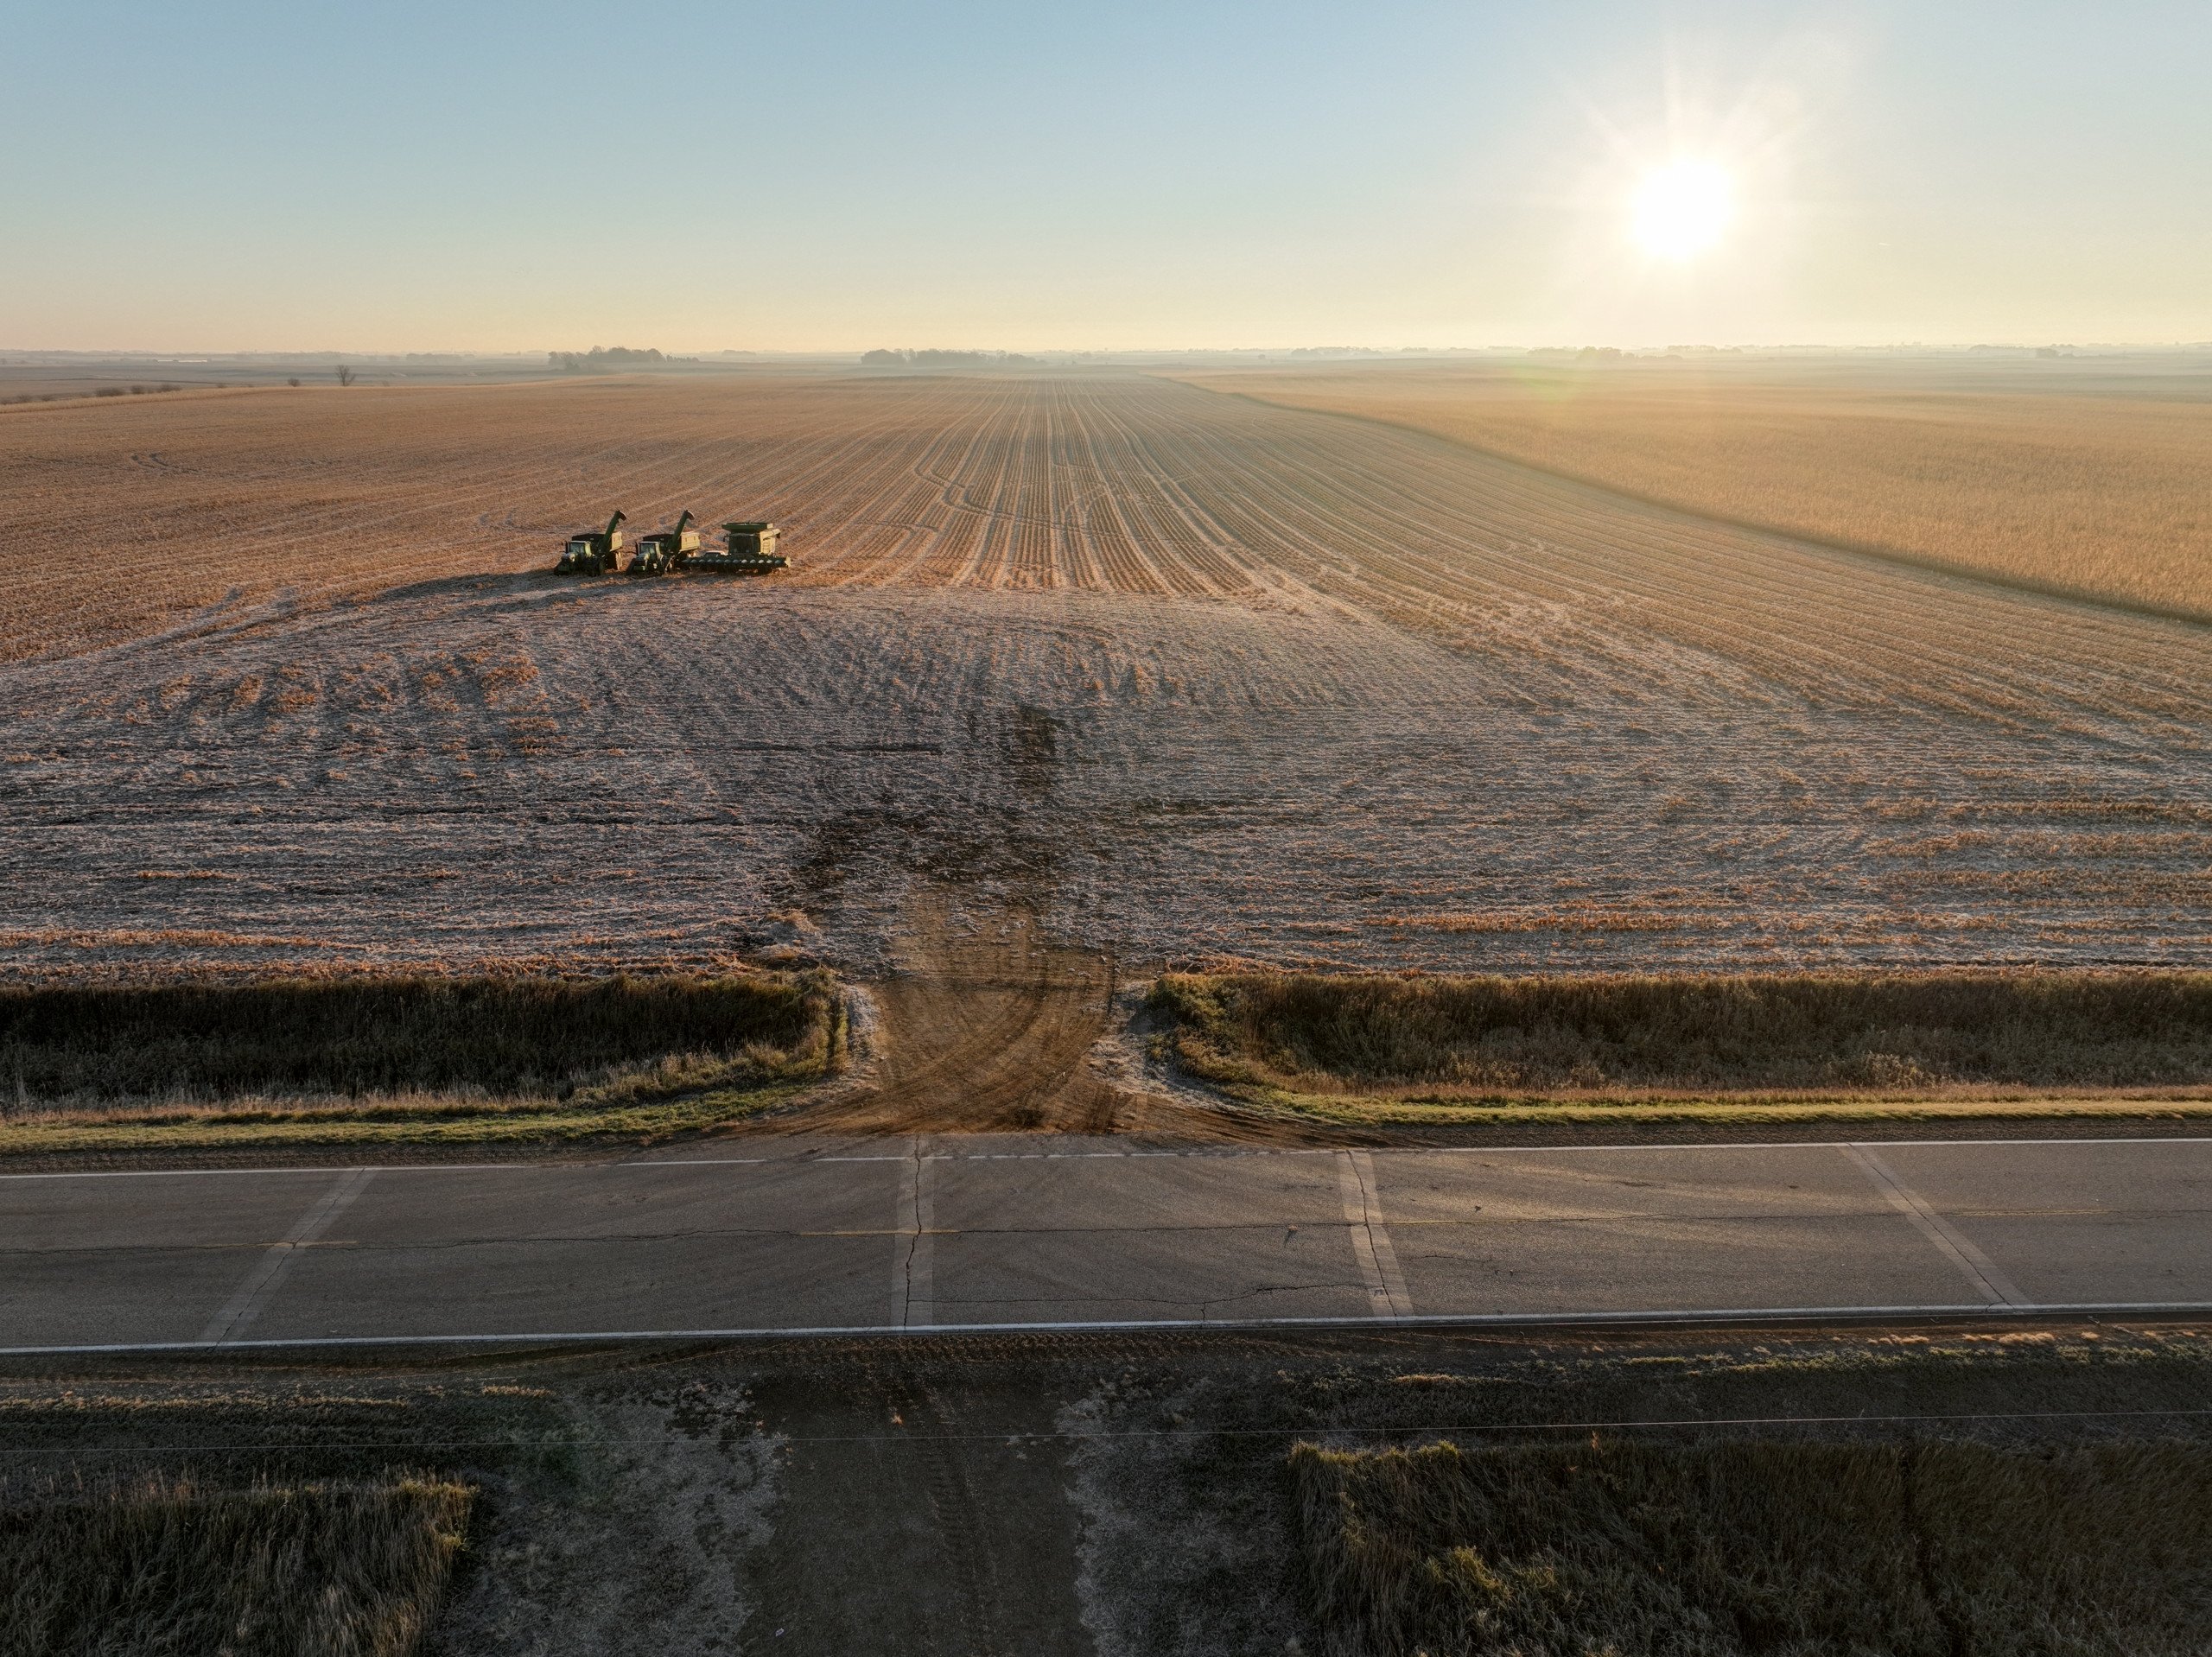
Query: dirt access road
989, 1025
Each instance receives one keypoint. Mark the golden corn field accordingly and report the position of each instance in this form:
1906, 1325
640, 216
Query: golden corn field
2105, 491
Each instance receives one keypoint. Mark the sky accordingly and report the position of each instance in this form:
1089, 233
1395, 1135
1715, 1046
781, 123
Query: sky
704, 174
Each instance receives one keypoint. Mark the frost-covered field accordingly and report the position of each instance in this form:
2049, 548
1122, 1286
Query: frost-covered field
1194, 676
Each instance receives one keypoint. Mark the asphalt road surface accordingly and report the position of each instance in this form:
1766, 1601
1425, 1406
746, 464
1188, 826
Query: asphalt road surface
969, 1232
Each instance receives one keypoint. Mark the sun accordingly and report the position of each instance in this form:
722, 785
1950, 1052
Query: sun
1683, 209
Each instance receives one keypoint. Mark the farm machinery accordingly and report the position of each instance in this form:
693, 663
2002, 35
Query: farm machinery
749, 548
595, 552
666, 550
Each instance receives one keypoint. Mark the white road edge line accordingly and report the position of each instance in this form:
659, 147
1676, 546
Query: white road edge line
243, 1307
294, 1173
1370, 1240
1212, 1325
542, 1166
1955, 1245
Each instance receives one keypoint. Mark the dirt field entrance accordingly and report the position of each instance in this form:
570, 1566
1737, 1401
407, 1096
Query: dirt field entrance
986, 1028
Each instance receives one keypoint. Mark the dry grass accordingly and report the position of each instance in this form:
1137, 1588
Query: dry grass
201, 1064
427, 1121
1199, 1548
2103, 495
1903, 1034
1707, 1551
165, 1567
619, 1039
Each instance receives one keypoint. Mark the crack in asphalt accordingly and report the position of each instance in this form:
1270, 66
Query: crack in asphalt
911, 1198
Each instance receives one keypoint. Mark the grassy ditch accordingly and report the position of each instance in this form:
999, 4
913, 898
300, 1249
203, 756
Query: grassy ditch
605, 1507
1724, 1548
1377, 1048
164, 1567
208, 1064
1720, 1493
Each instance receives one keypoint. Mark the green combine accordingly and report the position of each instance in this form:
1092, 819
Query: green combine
749, 548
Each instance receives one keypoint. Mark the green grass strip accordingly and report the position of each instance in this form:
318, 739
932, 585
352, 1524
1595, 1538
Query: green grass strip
1352, 1110
516, 1124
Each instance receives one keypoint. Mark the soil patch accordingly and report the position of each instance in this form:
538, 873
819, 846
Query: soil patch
987, 1027
957, 1479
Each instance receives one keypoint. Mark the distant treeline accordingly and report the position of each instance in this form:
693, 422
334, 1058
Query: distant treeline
601, 357
945, 359
104, 392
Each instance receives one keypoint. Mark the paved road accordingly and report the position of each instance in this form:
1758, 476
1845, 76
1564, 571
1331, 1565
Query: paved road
881, 1236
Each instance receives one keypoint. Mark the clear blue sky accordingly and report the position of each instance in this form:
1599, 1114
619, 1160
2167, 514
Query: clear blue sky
467, 174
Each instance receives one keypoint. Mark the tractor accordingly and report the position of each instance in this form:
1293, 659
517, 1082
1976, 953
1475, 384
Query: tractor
664, 550
750, 550
595, 552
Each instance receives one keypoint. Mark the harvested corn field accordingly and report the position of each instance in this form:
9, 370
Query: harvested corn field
2090, 478
1181, 675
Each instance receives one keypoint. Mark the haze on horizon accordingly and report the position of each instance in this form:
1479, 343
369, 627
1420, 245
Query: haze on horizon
479, 176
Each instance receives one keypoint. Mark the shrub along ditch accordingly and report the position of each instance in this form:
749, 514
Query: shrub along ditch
1889, 1032
614, 1040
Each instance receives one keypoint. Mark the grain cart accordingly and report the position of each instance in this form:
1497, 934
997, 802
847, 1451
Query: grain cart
666, 549
596, 552
751, 550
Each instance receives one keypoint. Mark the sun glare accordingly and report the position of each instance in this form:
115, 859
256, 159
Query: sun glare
1683, 209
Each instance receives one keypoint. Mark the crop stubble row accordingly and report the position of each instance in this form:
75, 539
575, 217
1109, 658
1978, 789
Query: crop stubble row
1202, 676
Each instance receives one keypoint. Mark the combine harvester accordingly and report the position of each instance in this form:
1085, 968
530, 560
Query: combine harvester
595, 552
666, 550
750, 550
